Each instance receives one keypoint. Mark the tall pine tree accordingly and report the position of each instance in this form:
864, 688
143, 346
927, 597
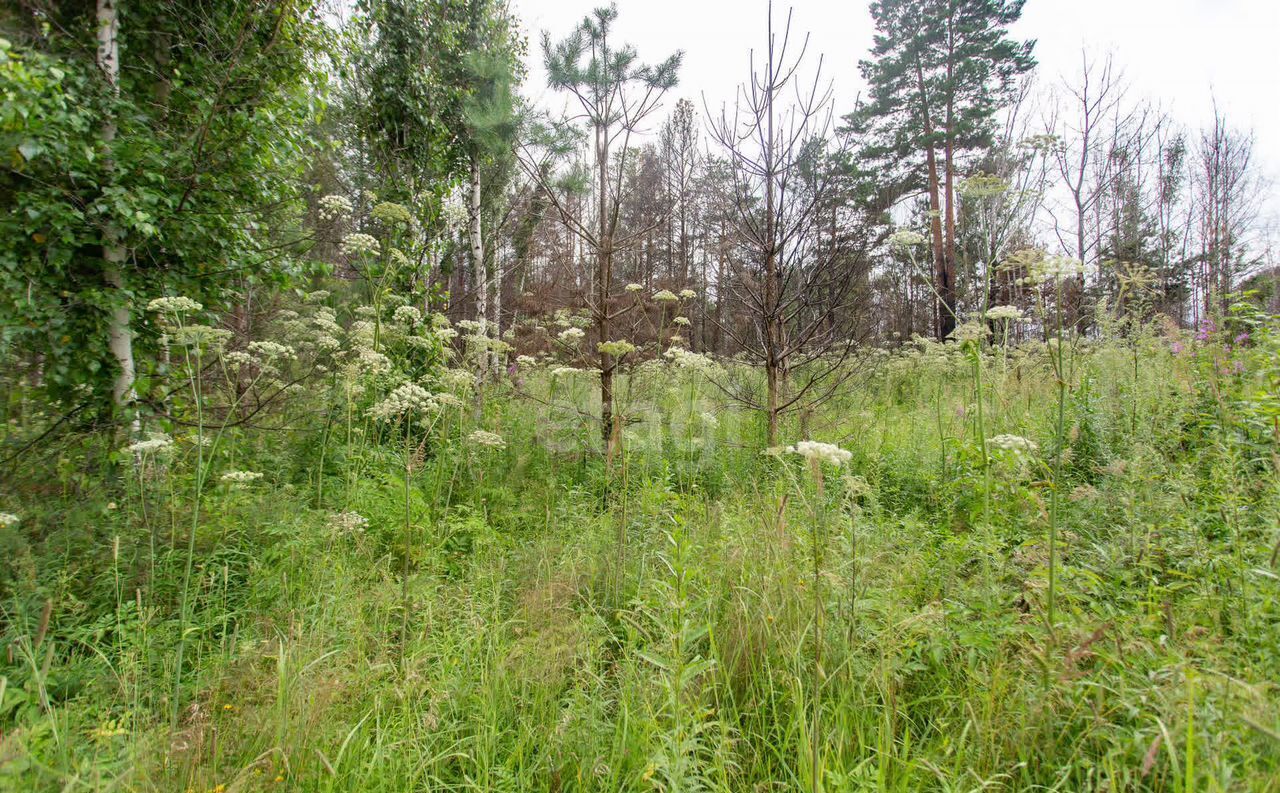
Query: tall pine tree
939, 72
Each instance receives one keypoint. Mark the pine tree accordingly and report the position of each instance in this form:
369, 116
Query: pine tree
939, 72
615, 93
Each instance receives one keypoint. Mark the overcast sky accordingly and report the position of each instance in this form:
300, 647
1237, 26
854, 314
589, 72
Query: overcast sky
1183, 53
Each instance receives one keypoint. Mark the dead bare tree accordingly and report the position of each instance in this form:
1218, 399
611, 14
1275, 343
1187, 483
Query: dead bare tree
783, 277
1226, 191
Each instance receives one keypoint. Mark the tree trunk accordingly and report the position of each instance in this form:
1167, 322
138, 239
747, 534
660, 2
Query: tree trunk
943, 318
481, 276
947, 286
119, 331
604, 278
774, 363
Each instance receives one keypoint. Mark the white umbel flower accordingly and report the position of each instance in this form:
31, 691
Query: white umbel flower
358, 244
173, 305
8, 519
906, 238
571, 335
1011, 313
335, 207
407, 315
691, 361
348, 522
823, 452
1056, 268
1013, 443
270, 349
406, 400
665, 296
617, 348
158, 442
241, 477
487, 439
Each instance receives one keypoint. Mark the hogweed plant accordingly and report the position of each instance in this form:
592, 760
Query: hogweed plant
816, 454
1050, 273
406, 404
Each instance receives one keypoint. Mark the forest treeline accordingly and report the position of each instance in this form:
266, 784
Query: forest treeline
226, 153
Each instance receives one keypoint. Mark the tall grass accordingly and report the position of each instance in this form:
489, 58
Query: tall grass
767, 632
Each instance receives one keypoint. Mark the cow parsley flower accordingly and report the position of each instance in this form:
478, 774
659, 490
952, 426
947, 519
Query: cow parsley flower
241, 477
905, 238
1055, 268
1013, 443
370, 362
633, 287
270, 349
158, 442
359, 244
173, 305
617, 349
449, 400
487, 439
822, 452
407, 315
970, 331
571, 335
691, 361
682, 321
1011, 313
457, 379
687, 294
406, 400
665, 296
335, 207
237, 360
197, 336
983, 185
389, 213
347, 522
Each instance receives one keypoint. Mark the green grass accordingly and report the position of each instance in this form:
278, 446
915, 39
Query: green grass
650, 625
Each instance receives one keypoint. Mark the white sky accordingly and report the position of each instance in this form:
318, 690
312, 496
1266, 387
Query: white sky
1182, 53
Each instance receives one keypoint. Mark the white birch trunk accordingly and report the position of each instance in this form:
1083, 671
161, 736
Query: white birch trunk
119, 332
481, 276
